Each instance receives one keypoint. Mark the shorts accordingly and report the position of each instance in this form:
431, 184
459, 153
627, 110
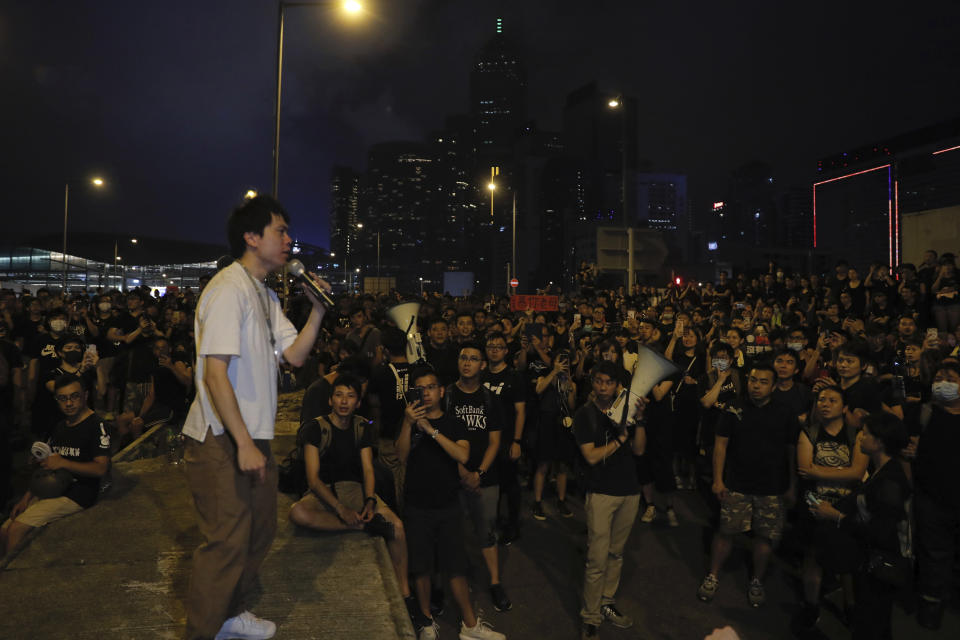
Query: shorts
348, 492
764, 515
482, 509
43, 512
435, 540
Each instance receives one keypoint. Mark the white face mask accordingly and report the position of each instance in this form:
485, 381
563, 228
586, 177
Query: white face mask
104, 306
945, 391
58, 326
795, 346
721, 364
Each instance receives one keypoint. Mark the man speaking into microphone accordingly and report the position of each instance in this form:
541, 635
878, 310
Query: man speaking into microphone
242, 335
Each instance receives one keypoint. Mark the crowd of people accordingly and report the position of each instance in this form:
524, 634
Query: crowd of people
824, 409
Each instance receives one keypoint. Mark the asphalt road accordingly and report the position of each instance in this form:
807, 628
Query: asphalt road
543, 571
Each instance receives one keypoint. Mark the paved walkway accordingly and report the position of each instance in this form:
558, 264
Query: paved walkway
120, 570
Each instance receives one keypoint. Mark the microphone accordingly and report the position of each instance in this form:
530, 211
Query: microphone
295, 267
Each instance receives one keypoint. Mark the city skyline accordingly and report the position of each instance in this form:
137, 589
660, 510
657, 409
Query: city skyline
181, 120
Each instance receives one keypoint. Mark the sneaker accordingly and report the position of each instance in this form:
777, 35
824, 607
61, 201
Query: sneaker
588, 632
708, 588
755, 593
538, 513
649, 514
483, 631
616, 618
246, 626
500, 600
380, 526
930, 613
429, 632
672, 518
563, 509
511, 533
809, 616
436, 602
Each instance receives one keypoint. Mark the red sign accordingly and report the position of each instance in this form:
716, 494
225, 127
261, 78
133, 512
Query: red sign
537, 303
514, 283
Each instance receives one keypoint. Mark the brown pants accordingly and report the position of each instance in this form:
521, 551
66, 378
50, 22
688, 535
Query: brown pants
238, 519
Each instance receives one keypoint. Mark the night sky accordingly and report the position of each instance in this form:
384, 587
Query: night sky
172, 102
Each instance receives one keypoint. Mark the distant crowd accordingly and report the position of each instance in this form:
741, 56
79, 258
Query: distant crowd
819, 412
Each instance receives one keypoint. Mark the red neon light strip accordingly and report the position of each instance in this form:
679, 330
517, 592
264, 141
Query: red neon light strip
945, 150
890, 226
850, 175
814, 216
896, 219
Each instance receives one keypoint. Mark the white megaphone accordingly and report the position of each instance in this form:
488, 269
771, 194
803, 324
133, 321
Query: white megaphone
404, 315
651, 368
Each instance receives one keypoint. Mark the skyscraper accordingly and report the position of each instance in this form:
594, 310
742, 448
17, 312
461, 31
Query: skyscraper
397, 203
498, 98
345, 207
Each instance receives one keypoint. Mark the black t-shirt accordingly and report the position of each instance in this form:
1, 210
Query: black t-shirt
341, 460
760, 440
432, 480
617, 474
384, 384
168, 391
11, 354
509, 388
82, 442
864, 394
937, 457
481, 415
45, 412
798, 398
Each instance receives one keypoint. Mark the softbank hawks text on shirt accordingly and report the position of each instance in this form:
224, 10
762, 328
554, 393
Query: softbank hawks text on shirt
473, 417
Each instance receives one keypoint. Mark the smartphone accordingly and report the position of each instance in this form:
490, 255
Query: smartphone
811, 499
680, 327
534, 329
414, 395
932, 334
576, 318
631, 314
92, 348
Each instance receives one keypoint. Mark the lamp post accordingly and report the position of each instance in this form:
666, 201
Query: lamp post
97, 182
350, 7
618, 103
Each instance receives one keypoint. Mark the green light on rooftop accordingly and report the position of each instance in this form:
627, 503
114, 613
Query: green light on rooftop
499, 25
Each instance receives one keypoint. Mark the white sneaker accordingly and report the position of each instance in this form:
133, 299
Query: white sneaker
430, 632
649, 515
672, 518
246, 626
483, 631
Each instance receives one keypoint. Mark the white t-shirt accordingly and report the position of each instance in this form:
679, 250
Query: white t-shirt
230, 322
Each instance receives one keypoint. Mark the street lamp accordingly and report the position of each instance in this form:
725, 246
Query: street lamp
97, 182
618, 103
352, 8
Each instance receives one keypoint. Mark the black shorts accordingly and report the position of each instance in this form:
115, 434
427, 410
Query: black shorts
435, 540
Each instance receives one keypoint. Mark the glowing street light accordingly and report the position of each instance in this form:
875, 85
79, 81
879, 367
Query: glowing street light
96, 181
250, 194
614, 103
492, 186
352, 7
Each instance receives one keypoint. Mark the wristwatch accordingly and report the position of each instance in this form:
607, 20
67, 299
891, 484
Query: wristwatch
435, 433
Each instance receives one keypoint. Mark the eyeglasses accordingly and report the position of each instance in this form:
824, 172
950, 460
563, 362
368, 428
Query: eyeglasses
73, 397
428, 387
466, 358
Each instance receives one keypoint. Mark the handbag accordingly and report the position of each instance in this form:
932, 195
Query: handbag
890, 568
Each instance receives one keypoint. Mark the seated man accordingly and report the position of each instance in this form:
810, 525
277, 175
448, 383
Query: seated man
79, 445
338, 456
164, 397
